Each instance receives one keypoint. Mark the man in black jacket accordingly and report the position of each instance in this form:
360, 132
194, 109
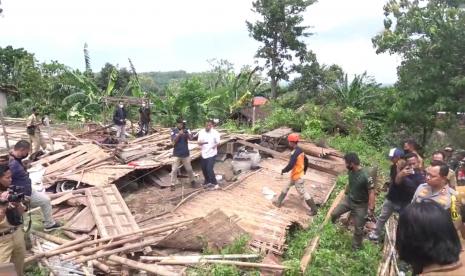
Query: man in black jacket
119, 119
404, 180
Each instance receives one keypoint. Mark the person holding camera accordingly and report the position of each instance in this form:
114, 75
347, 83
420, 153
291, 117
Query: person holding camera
180, 136
12, 244
20, 178
394, 201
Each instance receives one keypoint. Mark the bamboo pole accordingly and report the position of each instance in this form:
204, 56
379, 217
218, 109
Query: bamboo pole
59, 240
5, 134
157, 270
126, 248
237, 263
45, 261
150, 230
73, 242
307, 258
195, 257
97, 248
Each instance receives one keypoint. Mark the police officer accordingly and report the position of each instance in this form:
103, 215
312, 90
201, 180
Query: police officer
297, 167
12, 244
33, 131
359, 198
436, 187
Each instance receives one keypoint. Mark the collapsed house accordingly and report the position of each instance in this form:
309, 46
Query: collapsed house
111, 229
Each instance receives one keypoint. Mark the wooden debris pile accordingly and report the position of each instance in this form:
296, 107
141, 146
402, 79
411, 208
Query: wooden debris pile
115, 241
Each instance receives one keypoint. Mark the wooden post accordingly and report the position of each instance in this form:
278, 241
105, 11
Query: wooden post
4, 129
253, 116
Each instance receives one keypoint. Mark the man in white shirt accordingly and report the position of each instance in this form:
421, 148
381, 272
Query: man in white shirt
209, 140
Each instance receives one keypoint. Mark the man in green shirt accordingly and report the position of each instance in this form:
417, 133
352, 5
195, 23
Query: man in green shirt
359, 197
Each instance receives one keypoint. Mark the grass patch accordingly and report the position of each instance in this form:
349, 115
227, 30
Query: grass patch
238, 246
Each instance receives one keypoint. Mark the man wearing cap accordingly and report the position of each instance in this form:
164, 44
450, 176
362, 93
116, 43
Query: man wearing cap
393, 202
451, 178
298, 168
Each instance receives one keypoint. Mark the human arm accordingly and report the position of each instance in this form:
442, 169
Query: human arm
201, 138
452, 179
371, 201
292, 161
402, 173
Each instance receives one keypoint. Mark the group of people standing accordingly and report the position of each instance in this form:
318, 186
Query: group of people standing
120, 116
427, 204
208, 139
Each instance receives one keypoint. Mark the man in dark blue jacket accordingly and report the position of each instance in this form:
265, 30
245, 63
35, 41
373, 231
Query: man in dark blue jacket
180, 136
20, 178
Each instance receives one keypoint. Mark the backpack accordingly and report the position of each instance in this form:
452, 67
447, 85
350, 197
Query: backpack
306, 163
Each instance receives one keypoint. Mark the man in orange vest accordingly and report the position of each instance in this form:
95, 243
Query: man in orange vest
297, 166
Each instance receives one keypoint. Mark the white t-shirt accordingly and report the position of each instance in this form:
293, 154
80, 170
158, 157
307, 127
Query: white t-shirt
213, 139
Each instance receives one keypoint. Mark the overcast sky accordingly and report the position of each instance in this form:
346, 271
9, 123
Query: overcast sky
183, 34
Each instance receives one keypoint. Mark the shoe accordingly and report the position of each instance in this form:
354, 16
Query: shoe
373, 237
211, 186
56, 226
173, 188
216, 187
312, 213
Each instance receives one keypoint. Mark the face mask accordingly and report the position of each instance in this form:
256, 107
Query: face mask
406, 151
143, 105
121, 106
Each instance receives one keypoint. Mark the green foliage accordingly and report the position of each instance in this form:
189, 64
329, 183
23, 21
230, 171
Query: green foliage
239, 246
280, 32
35, 270
357, 93
430, 38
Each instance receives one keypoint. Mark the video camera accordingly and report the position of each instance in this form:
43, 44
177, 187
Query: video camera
184, 124
15, 194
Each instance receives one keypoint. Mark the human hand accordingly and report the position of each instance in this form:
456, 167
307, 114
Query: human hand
4, 196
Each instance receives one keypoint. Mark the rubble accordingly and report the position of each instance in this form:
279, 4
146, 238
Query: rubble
109, 229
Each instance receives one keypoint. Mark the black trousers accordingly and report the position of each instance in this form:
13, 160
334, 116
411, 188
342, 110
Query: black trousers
207, 170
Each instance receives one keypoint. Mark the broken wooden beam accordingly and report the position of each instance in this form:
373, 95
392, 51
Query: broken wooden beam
156, 269
307, 257
195, 257
227, 262
126, 248
151, 230
60, 241
275, 154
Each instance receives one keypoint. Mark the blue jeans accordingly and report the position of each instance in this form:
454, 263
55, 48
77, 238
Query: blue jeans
207, 170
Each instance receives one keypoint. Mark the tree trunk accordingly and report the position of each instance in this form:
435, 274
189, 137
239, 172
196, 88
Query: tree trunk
274, 84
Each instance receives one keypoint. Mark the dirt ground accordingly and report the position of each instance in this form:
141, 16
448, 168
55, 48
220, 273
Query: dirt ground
149, 201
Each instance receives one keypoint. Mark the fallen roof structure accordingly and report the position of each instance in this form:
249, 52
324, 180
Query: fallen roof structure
105, 225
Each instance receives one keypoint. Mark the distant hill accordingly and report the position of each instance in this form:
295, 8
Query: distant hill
162, 79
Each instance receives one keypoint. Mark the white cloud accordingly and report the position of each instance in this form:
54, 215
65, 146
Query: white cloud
162, 34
